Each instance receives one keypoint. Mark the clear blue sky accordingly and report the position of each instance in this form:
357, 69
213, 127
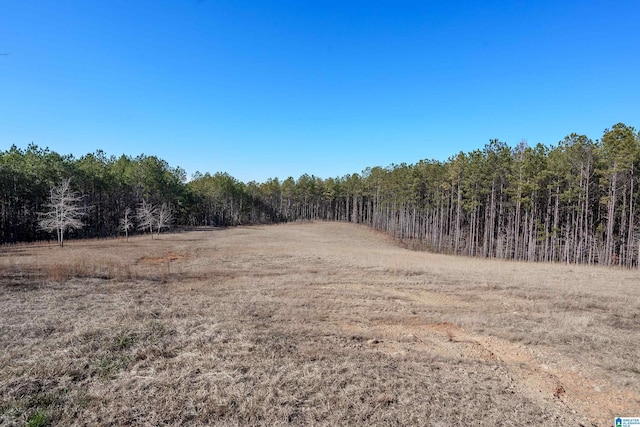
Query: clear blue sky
264, 89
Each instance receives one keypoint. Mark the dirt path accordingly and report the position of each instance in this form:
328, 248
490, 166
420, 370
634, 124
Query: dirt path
541, 374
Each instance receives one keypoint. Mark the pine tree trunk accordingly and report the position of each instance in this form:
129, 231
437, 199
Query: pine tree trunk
609, 242
630, 239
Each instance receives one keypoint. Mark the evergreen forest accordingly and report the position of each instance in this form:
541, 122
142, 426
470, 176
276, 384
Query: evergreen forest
573, 202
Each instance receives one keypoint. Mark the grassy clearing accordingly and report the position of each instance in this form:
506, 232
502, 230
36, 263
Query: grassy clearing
317, 324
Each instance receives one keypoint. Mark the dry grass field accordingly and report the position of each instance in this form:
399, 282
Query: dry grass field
309, 324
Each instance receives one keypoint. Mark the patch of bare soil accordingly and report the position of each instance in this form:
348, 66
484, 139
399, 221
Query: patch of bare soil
309, 324
168, 257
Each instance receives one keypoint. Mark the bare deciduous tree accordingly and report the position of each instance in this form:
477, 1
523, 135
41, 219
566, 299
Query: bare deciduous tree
63, 212
126, 223
164, 217
146, 214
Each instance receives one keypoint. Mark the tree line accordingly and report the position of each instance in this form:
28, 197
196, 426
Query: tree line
105, 187
572, 202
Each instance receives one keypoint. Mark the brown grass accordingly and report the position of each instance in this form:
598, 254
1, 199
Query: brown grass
309, 324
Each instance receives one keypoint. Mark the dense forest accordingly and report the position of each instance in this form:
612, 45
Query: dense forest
573, 202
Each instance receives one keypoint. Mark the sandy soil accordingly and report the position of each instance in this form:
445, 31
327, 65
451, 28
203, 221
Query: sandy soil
309, 324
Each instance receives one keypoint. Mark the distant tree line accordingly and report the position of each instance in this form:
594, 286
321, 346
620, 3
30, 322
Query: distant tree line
573, 202
106, 186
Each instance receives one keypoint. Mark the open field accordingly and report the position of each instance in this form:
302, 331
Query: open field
309, 324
